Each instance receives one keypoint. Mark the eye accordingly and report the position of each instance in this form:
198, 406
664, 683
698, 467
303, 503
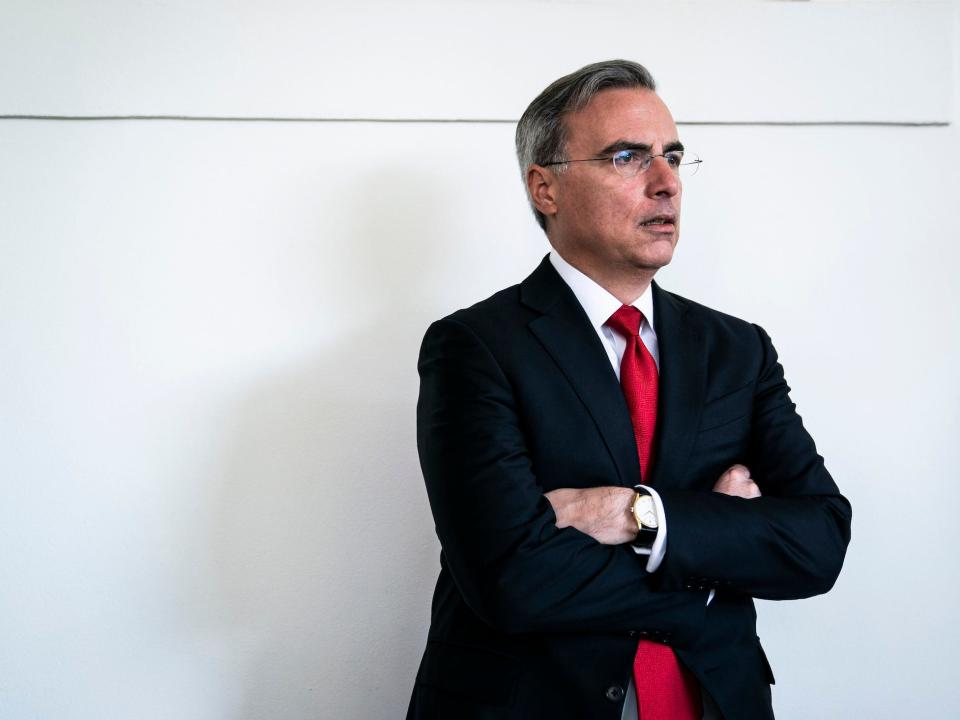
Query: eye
626, 157
674, 158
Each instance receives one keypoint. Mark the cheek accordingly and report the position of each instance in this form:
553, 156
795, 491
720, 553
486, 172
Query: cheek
599, 208
619, 206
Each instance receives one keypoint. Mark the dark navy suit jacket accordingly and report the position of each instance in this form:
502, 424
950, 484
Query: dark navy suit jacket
518, 397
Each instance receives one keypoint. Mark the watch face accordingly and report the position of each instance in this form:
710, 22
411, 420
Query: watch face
646, 511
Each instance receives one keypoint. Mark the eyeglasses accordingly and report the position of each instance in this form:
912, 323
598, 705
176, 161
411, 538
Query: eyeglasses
630, 163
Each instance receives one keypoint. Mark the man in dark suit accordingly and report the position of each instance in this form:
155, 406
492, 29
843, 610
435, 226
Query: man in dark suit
615, 471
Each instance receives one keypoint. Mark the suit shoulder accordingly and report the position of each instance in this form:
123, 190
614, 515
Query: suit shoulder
500, 310
494, 327
712, 318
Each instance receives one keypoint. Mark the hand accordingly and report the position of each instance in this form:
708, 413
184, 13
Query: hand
603, 513
736, 481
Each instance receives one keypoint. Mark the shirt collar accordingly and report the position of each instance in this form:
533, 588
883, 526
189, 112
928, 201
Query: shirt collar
597, 302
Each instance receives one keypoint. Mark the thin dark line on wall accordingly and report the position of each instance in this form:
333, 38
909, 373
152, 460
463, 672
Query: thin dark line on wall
842, 123
485, 121
229, 118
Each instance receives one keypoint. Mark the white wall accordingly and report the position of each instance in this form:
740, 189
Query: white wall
210, 503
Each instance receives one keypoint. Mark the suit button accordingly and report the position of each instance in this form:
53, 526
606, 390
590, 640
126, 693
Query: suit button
631, 633
614, 693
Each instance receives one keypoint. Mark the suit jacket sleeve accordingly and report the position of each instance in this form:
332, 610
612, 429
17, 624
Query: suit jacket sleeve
513, 566
791, 542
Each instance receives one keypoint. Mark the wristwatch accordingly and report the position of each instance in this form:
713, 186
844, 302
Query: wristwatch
645, 513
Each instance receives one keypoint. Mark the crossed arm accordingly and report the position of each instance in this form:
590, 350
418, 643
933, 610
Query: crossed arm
786, 544
604, 514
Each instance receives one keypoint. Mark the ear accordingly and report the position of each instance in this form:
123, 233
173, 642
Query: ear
544, 189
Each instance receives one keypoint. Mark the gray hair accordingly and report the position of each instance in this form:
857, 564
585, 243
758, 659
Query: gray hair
541, 132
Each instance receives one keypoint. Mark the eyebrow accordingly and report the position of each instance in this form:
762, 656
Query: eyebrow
641, 147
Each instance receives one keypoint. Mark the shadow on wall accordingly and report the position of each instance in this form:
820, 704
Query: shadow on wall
325, 545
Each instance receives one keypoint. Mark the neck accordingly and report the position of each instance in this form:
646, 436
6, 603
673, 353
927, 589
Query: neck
626, 284
626, 290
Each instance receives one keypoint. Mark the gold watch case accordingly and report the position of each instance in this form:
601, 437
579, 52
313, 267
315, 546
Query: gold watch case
645, 512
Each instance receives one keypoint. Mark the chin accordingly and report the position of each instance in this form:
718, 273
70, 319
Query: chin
664, 254
654, 260
653, 266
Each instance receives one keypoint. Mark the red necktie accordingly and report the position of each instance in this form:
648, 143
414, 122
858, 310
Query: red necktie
665, 689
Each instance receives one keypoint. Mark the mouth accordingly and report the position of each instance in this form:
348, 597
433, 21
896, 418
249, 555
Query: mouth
660, 223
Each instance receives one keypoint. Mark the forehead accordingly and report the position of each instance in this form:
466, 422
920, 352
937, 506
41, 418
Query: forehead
631, 114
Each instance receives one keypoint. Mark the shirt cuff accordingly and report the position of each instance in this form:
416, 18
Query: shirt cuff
659, 548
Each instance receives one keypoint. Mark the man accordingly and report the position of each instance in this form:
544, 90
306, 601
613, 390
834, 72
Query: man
615, 471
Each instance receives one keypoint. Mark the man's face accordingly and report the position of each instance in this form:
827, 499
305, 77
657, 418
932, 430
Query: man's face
602, 219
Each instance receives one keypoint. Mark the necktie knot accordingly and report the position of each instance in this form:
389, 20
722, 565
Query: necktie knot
626, 321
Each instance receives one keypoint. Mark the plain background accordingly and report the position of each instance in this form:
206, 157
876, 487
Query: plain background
210, 501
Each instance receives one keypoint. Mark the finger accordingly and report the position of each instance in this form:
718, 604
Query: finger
737, 472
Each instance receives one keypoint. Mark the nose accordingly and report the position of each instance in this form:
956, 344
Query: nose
662, 181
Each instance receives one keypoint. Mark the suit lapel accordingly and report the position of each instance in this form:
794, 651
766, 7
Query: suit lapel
683, 382
566, 334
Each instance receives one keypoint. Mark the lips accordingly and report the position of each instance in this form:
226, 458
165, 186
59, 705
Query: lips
659, 220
